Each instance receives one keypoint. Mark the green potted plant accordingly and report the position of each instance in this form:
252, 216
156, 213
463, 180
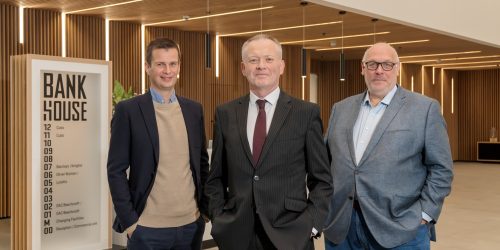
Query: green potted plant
119, 93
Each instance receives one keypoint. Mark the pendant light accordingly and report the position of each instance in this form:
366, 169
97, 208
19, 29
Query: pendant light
342, 57
208, 42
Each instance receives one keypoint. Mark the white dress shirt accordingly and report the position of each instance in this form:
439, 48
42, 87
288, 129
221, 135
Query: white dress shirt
253, 111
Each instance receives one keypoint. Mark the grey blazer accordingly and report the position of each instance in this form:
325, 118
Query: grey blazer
293, 160
406, 168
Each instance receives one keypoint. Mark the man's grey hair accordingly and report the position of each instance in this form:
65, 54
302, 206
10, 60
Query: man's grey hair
262, 37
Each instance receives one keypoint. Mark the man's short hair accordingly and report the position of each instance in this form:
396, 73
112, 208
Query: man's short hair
377, 43
161, 43
262, 36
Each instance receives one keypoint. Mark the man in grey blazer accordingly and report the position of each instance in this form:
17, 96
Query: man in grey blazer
267, 152
390, 160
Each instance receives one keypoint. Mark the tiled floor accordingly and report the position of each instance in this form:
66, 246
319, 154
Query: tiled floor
470, 219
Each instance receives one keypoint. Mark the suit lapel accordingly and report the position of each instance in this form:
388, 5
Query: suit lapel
148, 114
352, 120
396, 104
241, 119
283, 107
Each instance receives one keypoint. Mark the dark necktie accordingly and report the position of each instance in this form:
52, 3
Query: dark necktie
259, 134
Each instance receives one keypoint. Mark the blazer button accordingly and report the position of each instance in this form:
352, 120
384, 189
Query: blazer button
256, 178
350, 197
356, 171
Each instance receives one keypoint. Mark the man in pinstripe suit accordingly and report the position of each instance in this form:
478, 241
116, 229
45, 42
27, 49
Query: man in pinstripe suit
268, 151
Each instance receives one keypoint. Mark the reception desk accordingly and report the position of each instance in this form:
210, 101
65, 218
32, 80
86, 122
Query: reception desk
488, 151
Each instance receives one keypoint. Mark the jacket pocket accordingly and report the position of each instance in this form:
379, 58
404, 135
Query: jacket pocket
230, 204
295, 205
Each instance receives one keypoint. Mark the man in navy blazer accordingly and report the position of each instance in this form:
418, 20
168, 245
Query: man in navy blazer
390, 161
160, 138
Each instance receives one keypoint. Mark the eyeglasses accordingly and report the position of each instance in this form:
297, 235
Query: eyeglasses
372, 65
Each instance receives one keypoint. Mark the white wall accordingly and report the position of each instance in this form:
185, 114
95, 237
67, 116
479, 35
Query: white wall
477, 21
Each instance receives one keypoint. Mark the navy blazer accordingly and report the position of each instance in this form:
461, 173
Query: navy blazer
135, 144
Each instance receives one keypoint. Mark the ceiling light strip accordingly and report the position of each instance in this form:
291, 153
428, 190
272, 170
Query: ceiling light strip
143, 61
422, 71
452, 95
368, 45
468, 58
421, 61
217, 55
337, 37
63, 34
283, 28
21, 24
442, 54
102, 7
463, 63
442, 91
207, 16
106, 31
473, 67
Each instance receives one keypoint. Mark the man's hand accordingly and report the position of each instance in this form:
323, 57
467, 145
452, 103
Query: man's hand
205, 218
423, 222
131, 230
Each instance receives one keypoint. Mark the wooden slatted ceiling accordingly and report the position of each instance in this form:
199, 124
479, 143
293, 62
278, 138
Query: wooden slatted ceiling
284, 14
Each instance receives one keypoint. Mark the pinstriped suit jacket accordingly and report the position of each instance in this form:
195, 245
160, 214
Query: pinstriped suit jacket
276, 187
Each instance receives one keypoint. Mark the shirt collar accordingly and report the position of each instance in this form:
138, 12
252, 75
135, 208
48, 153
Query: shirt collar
387, 99
157, 97
271, 98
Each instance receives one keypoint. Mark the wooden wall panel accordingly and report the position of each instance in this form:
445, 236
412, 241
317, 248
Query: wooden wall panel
42, 32
450, 117
85, 37
291, 81
409, 71
41, 36
125, 53
478, 100
19, 155
331, 89
9, 45
191, 83
432, 87
230, 84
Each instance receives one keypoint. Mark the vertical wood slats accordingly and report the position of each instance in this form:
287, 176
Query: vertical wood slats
125, 53
331, 89
85, 37
18, 152
9, 44
478, 98
42, 32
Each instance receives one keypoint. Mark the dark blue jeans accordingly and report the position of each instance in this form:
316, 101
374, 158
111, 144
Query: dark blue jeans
360, 238
185, 237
